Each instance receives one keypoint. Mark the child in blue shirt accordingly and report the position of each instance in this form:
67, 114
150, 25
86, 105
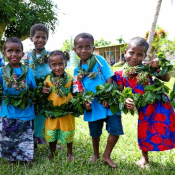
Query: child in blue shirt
96, 114
38, 61
16, 128
1, 60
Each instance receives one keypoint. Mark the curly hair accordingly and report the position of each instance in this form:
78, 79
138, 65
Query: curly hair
84, 35
65, 55
138, 41
39, 27
13, 40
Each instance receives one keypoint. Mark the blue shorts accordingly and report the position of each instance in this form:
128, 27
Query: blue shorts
113, 126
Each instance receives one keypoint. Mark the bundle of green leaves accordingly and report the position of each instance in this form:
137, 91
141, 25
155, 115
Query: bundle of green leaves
22, 101
164, 64
172, 97
39, 98
155, 92
116, 100
75, 106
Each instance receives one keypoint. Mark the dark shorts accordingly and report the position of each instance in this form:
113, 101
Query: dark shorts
113, 126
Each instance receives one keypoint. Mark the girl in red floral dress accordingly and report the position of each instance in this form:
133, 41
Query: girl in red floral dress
156, 123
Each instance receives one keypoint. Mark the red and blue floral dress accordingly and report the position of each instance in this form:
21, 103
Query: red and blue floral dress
156, 122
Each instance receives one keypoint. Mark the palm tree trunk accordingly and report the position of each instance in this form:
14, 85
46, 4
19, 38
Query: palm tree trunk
153, 27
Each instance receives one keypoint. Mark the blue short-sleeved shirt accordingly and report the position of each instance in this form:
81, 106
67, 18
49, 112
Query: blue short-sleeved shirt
41, 70
10, 111
104, 72
1, 60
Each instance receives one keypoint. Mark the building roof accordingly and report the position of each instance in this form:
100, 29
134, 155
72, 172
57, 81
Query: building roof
109, 46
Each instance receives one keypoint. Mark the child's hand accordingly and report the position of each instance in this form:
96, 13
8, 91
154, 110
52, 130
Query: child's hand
45, 90
129, 103
105, 104
154, 63
87, 105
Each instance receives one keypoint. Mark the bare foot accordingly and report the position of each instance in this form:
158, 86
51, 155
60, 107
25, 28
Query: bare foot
94, 158
70, 157
50, 157
142, 162
109, 161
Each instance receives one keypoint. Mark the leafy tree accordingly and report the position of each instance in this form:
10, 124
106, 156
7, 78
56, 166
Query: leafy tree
153, 26
17, 17
68, 45
101, 42
170, 47
159, 41
121, 40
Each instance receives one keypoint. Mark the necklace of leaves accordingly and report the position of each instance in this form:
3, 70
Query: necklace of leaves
23, 99
145, 71
43, 58
59, 84
91, 63
11, 80
142, 76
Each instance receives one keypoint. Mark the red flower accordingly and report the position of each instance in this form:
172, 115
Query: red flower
141, 115
160, 117
142, 129
169, 142
167, 105
152, 129
163, 147
24, 81
150, 109
160, 127
156, 139
146, 146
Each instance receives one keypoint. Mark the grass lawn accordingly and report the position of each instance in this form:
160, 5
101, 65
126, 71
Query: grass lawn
125, 154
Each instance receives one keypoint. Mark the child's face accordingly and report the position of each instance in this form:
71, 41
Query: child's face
84, 48
57, 64
135, 54
13, 53
39, 40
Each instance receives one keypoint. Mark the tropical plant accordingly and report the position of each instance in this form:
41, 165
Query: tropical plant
159, 41
153, 26
17, 17
120, 40
101, 42
68, 45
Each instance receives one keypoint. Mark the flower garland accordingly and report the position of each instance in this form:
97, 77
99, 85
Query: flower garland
24, 98
91, 63
43, 58
142, 76
59, 84
145, 71
11, 80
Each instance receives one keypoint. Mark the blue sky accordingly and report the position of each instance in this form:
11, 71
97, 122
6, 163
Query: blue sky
108, 19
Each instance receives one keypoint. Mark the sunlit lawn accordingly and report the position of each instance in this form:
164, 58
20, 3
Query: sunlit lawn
125, 154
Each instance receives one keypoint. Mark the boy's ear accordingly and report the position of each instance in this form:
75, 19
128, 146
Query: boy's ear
125, 52
74, 49
31, 38
93, 49
23, 54
4, 54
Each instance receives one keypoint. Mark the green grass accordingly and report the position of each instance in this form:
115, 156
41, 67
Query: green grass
124, 154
